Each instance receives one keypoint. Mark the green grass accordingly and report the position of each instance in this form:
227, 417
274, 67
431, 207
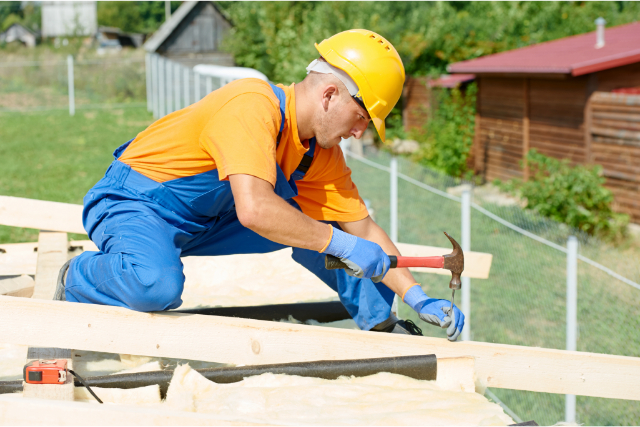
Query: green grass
53, 156
523, 301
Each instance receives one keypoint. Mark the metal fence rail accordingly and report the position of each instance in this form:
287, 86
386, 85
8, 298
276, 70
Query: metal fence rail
172, 86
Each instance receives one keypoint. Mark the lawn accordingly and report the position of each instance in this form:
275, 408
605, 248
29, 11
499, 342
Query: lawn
53, 156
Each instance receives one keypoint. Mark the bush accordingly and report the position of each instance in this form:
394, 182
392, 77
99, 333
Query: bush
446, 141
573, 195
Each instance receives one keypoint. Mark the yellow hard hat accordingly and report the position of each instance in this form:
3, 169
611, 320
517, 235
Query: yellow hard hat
373, 64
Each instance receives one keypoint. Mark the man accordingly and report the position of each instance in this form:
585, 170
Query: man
254, 168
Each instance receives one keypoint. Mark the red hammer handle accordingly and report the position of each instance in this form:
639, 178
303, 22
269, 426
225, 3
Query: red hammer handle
406, 261
332, 263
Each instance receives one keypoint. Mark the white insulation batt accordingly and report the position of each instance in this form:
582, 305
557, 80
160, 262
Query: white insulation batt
381, 399
252, 279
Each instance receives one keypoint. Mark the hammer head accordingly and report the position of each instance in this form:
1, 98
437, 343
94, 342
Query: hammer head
455, 263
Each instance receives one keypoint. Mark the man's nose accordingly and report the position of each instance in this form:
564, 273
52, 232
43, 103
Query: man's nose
358, 130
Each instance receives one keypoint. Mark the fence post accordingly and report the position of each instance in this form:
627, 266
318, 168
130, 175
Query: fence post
393, 205
72, 96
186, 86
154, 84
196, 86
394, 200
147, 69
572, 317
176, 86
208, 85
169, 88
161, 101
466, 246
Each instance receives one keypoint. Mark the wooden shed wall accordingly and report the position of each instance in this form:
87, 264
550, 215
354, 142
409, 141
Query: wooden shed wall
201, 31
416, 103
557, 116
498, 143
516, 114
613, 140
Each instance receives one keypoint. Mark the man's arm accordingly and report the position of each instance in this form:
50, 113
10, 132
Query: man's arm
263, 211
399, 280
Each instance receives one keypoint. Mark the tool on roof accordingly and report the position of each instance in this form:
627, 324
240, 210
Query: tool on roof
453, 262
51, 372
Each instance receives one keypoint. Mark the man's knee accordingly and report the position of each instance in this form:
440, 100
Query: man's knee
158, 288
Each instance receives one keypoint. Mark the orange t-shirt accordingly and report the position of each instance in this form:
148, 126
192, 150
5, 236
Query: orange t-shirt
234, 130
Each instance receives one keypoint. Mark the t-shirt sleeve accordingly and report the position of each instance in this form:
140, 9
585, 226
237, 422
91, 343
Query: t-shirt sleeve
241, 137
327, 193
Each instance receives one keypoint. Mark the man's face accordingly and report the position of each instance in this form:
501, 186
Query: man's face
343, 118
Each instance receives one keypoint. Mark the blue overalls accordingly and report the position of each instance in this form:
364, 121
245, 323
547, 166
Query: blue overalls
143, 227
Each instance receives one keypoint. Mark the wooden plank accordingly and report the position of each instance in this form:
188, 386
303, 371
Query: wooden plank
21, 258
478, 146
617, 124
609, 98
12, 264
17, 410
52, 253
616, 133
526, 130
616, 141
40, 214
617, 117
476, 264
244, 341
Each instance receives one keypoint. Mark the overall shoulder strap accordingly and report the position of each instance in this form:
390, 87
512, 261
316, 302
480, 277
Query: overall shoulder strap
283, 101
306, 161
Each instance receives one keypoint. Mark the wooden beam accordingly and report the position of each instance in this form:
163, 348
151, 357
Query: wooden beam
526, 132
17, 410
53, 252
41, 214
21, 258
244, 341
476, 264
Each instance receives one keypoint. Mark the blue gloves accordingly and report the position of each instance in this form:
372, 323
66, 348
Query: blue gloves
436, 311
365, 259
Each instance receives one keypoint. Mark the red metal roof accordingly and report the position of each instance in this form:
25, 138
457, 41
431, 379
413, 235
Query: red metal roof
575, 55
450, 81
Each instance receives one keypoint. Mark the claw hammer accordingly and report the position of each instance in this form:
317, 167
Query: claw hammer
453, 262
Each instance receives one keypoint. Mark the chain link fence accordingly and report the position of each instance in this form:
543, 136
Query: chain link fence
524, 300
109, 82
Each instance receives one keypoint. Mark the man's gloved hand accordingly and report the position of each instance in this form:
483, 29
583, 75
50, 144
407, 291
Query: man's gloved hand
365, 259
436, 311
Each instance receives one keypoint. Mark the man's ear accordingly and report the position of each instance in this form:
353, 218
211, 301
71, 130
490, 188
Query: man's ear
328, 93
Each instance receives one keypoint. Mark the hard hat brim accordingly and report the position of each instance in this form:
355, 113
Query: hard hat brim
380, 127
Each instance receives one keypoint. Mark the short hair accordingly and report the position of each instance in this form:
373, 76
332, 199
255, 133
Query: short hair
314, 79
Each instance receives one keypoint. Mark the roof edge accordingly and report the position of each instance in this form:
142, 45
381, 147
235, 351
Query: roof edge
168, 26
613, 61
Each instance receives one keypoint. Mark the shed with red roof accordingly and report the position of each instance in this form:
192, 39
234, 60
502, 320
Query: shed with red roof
569, 98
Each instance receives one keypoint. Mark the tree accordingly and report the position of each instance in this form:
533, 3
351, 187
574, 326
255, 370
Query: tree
133, 16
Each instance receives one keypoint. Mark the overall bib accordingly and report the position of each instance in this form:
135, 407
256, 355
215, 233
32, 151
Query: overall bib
143, 227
